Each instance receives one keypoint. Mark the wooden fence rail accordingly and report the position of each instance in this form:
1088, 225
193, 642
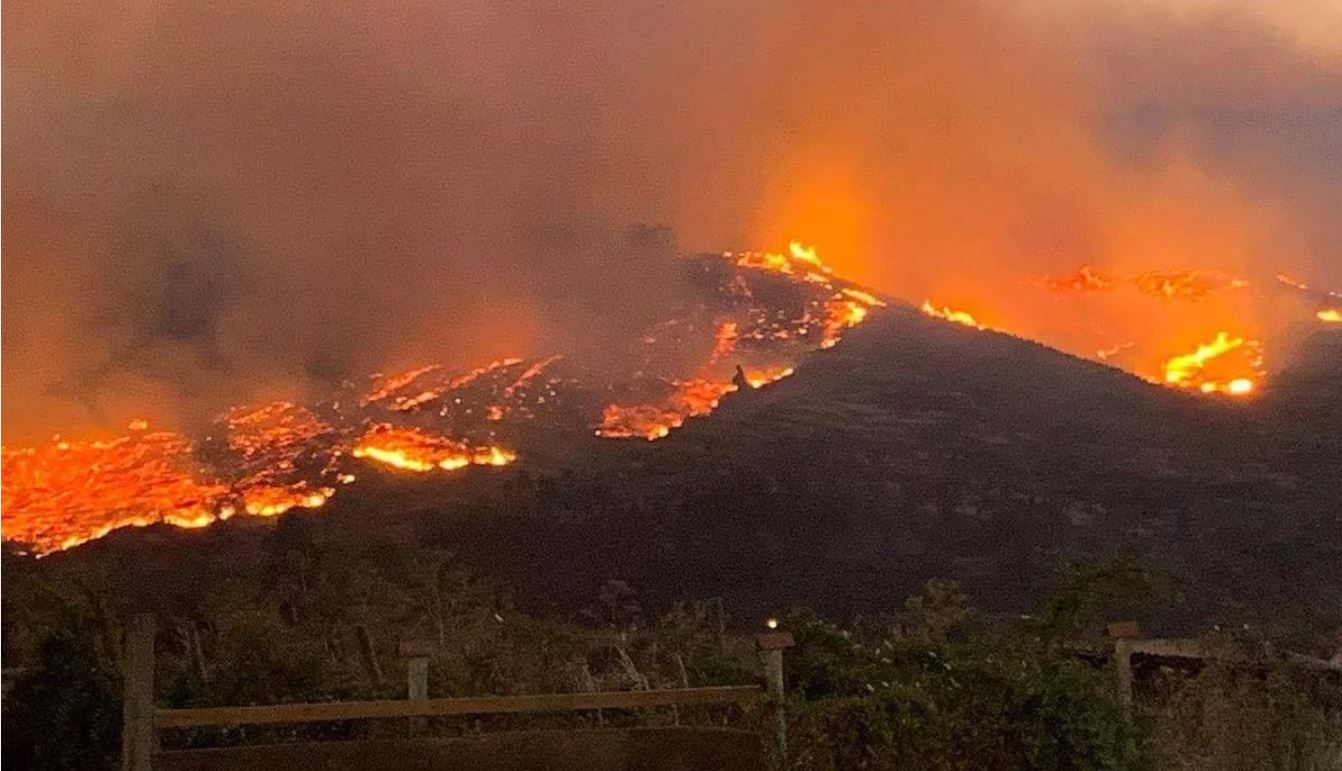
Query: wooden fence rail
361, 710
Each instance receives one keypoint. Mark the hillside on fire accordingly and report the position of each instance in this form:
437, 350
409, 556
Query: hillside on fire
916, 449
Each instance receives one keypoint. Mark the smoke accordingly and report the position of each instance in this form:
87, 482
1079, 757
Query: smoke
209, 203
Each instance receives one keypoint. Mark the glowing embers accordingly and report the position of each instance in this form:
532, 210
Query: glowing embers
503, 388
1226, 365
950, 314
413, 450
66, 492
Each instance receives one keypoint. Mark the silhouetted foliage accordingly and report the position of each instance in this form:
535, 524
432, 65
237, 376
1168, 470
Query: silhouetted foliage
65, 711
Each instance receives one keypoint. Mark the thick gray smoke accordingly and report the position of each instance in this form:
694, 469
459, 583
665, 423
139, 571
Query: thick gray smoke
211, 203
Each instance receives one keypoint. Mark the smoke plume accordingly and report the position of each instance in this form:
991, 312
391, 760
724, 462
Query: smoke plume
213, 203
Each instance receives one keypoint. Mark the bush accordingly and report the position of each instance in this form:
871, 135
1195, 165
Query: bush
890, 702
65, 712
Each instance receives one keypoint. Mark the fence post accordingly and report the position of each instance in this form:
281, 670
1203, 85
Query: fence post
1123, 668
417, 678
771, 646
137, 711
416, 654
367, 655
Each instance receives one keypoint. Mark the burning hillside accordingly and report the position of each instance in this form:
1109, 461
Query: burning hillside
755, 316
758, 315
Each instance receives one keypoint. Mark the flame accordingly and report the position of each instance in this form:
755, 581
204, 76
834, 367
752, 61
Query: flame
646, 421
690, 398
724, 342
392, 384
1109, 353
1187, 284
1086, 279
831, 311
528, 375
865, 298
799, 259
846, 309
758, 378
949, 314
1292, 282
1329, 316
68, 492
410, 449
266, 501
1190, 370
806, 254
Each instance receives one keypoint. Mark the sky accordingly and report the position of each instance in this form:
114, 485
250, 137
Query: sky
207, 204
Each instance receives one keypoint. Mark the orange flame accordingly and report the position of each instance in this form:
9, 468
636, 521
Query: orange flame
1086, 279
949, 314
799, 259
758, 378
413, 450
1187, 285
1190, 370
66, 492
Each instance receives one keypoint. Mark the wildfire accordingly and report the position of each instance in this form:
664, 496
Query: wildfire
1187, 285
841, 313
1190, 370
392, 384
66, 492
1109, 353
758, 378
266, 501
950, 314
412, 450
831, 309
1329, 316
1086, 279
689, 399
769, 312
800, 260
1292, 282
724, 342
1163, 284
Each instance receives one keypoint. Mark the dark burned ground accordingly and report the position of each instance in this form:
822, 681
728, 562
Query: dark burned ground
915, 449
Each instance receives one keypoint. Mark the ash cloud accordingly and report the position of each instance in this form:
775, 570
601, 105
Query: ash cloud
207, 204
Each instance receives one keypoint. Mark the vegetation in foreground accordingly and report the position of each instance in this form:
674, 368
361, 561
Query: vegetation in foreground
937, 686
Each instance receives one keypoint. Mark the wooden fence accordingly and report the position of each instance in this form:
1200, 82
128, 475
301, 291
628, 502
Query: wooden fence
142, 720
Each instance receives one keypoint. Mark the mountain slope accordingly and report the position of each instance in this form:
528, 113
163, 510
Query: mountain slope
914, 449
